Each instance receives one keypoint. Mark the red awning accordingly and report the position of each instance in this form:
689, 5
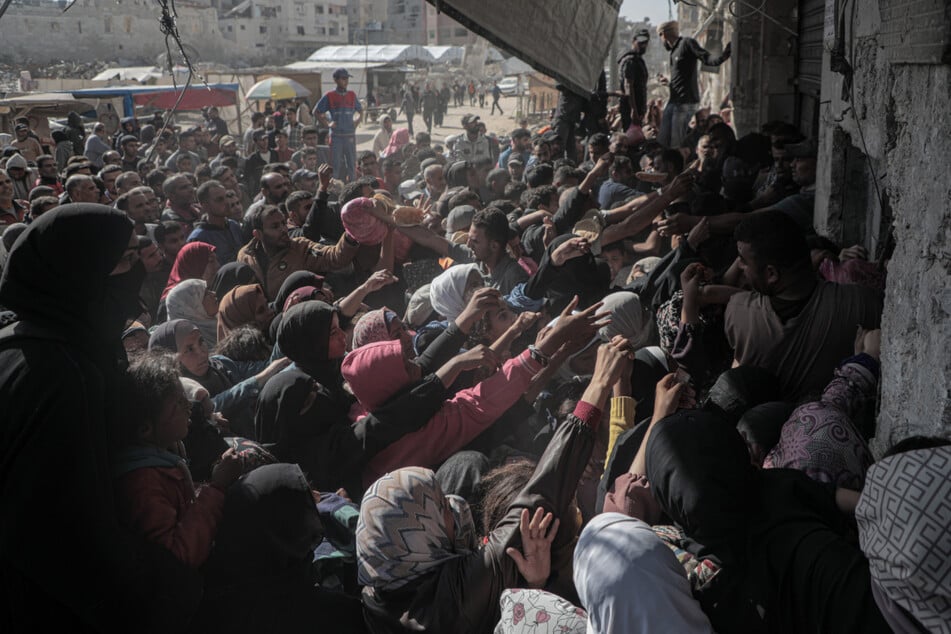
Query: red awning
196, 98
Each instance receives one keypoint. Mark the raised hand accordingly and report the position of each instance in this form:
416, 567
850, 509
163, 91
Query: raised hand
478, 357
534, 560
667, 396
325, 173
378, 280
573, 248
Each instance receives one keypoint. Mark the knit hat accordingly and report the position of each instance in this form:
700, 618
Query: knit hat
15, 161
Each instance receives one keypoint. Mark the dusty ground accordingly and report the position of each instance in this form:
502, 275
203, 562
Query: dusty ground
500, 124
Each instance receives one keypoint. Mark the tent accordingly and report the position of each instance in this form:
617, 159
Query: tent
140, 74
447, 54
570, 39
378, 53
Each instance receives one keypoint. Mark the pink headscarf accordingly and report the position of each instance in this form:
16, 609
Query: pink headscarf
374, 372
398, 139
358, 219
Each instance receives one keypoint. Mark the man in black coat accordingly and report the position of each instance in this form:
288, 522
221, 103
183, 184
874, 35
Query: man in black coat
634, 74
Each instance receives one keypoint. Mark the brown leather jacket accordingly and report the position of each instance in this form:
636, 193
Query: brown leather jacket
301, 255
462, 596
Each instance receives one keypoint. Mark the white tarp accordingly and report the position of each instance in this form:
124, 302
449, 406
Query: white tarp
565, 39
447, 54
384, 53
129, 73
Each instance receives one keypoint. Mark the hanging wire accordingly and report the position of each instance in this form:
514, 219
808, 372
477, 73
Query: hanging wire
753, 10
168, 25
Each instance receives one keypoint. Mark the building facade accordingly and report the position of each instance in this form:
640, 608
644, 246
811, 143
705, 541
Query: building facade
107, 30
277, 31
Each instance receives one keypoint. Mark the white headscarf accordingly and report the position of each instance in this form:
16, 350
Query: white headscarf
185, 301
628, 318
447, 290
630, 581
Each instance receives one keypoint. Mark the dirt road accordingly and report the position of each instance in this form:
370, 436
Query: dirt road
499, 124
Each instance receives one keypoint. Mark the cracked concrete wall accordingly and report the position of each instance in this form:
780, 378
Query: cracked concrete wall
897, 130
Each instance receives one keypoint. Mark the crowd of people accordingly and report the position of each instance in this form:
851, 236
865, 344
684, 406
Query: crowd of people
581, 380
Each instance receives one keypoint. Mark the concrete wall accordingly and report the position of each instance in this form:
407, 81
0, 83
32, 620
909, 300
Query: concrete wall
895, 132
104, 29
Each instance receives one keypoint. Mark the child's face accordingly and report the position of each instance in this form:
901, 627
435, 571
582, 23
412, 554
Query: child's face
171, 424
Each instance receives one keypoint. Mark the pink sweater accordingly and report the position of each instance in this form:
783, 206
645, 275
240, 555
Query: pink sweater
461, 419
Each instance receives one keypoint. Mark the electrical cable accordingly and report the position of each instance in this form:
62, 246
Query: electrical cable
753, 10
168, 25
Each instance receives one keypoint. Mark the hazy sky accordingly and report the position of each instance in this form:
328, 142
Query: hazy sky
656, 10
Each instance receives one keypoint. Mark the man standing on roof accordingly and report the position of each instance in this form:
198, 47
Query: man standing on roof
684, 100
345, 114
634, 74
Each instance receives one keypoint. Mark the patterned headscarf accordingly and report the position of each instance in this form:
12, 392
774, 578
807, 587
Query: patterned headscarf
374, 326
402, 533
820, 438
531, 611
905, 532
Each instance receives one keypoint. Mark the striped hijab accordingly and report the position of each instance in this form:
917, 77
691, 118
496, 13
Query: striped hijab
402, 533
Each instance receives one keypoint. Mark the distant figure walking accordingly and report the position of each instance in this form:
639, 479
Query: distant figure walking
496, 94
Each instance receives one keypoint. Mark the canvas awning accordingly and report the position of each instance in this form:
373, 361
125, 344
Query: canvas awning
163, 97
570, 39
48, 104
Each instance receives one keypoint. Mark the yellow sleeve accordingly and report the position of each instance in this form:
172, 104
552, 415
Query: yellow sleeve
622, 419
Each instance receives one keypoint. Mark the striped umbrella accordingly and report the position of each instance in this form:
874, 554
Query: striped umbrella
275, 88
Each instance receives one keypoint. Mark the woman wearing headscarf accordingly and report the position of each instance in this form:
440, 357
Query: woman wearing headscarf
398, 139
230, 275
192, 300
378, 371
450, 290
311, 334
417, 554
779, 537
259, 577
904, 532
195, 260
378, 325
294, 282
301, 421
630, 581
244, 305
72, 280
820, 438
523, 610
233, 395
